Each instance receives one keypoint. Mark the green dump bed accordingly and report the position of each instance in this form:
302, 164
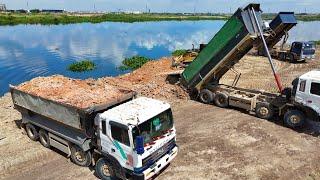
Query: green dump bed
224, 50
280, 26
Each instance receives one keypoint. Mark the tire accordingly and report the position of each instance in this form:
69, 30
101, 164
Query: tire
104, 169
282, 56
291, 58
44, 138
79, 157
221, 100
32, 132
294, 118
264, 110
206, 96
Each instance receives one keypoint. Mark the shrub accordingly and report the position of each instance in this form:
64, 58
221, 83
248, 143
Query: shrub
133, 63
82, 66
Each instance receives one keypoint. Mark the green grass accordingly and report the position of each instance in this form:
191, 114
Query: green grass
82, 66
133, 63
45, 19
65, 18
179, 52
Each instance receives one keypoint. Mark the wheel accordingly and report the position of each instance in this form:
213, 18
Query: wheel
264, 110
291, 58
206, 96
294, 118
32, 132
44, 138
221, 100
104, 169
80, 157
282, 56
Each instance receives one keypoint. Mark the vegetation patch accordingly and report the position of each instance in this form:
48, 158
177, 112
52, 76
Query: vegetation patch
82, 66
133, 63
179, 52
317, 42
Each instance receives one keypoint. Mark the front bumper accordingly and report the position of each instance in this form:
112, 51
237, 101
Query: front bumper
157, 166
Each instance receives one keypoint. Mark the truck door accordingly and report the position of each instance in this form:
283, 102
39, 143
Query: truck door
115, 141
314, 100
301, 96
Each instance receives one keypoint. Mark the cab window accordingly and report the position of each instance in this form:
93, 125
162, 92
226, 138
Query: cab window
315, 88
302, 86
120, 134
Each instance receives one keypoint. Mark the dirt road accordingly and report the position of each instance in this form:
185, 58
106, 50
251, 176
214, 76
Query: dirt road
214, 143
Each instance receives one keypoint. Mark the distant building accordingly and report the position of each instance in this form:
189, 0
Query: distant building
52, 11
3, 7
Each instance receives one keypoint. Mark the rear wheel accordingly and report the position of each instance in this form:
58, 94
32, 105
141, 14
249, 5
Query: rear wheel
264, 110
80, 157
104, 169
206, 96
221, 100
32, 132
44, 138
294, 118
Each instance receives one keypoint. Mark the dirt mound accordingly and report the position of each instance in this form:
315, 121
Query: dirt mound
149, 80
78, 93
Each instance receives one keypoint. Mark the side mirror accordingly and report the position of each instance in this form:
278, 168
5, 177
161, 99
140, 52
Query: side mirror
139, 145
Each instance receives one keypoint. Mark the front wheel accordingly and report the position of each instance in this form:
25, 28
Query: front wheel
294, 118
104, 169
291, 58
80, 157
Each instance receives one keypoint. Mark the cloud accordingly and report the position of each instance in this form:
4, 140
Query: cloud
166, 5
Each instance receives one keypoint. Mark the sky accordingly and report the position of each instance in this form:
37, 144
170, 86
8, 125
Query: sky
213, 6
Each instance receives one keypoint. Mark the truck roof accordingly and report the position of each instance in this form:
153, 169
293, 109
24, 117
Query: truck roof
136, 111
314, 75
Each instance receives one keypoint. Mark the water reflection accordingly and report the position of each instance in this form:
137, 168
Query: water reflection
27, 51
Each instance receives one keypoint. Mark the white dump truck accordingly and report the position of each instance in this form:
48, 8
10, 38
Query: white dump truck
125, 137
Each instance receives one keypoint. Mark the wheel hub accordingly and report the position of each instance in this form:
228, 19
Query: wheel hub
105, 170
264, 111
79, 156
295, 119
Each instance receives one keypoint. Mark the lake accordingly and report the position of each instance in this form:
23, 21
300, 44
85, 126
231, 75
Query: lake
28, 51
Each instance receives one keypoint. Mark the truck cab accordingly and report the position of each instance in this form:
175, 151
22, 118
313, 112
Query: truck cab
302, 51
137, 138
307, 92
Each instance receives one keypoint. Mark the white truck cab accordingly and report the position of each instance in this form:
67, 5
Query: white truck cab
137, 137
308, 90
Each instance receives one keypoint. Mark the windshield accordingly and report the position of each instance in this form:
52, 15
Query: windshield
308, 48
154, 127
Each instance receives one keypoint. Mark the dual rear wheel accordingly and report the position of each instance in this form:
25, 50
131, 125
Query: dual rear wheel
78, 156
220, 99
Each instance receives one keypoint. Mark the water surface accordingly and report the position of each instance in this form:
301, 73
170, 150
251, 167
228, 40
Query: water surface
28, 51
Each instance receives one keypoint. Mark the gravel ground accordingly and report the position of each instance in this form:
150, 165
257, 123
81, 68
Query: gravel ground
214, 143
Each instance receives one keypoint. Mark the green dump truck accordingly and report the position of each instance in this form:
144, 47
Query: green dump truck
244, 30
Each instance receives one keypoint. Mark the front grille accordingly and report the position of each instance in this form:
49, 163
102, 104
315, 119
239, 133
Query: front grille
152, 158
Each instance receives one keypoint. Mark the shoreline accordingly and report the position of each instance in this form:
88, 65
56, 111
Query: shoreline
72, 18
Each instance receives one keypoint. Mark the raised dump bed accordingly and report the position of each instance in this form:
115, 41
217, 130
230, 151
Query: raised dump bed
68, 101
225, 49
279, 26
